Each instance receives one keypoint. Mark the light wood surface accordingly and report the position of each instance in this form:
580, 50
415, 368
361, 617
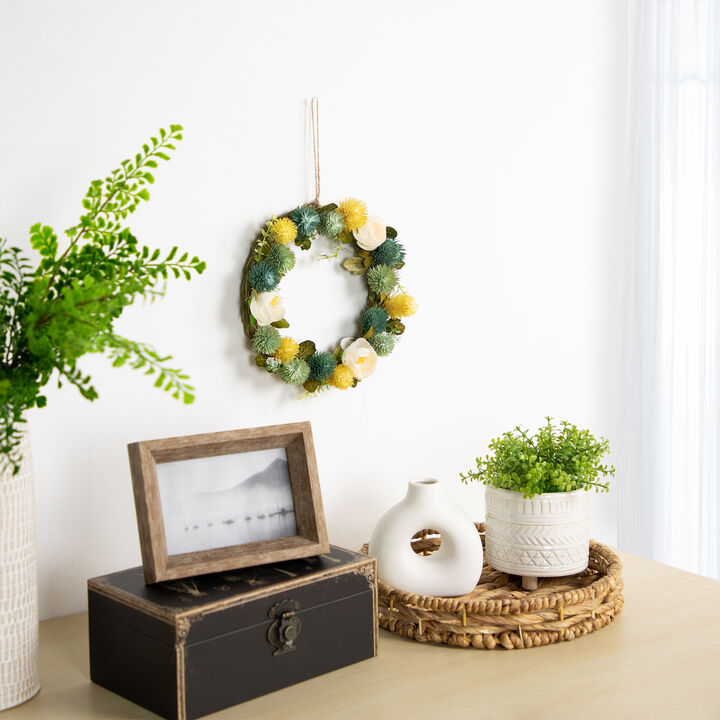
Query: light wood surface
659, 659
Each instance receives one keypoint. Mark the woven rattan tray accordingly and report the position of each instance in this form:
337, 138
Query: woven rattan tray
499, 613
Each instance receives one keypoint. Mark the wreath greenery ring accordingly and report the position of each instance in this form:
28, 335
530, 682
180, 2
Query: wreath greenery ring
374, 253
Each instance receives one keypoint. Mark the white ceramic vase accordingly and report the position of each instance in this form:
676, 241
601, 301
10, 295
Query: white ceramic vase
19, 675
543, 536
454, 569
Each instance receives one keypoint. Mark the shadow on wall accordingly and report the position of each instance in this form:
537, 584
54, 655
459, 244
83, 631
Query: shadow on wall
343, 508
236, 346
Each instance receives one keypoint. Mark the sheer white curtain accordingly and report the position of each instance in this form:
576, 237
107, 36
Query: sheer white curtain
669, 499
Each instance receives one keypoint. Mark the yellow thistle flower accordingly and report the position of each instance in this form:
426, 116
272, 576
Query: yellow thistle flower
283, 230
342, 377
355, 213
400, 306
287, 351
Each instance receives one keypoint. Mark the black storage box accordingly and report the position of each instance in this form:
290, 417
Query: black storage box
186, 648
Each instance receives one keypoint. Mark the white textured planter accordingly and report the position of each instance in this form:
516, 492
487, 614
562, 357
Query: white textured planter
454, 569
19, 676
543, 536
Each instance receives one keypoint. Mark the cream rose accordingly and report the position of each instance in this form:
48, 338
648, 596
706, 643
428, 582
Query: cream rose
372, 234
267, 307
360, 358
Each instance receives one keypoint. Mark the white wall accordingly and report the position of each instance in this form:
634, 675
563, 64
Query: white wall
489, 134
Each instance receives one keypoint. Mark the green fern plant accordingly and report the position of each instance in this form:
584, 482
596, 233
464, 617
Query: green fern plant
65, 307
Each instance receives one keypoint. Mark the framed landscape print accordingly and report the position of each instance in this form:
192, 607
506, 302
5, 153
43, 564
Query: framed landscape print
227, 500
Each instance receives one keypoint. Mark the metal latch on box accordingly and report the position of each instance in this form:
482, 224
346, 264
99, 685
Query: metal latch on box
286, 626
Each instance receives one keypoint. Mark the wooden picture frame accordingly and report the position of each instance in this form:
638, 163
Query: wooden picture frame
311, 534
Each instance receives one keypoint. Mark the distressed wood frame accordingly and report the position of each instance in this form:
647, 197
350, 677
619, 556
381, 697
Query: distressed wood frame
311, 538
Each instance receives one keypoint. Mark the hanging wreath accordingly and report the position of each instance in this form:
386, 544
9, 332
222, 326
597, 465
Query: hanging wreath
375, 253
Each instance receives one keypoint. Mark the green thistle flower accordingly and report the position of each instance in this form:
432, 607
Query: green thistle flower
272, 364
391, 252
381, 279
331, 223
266, 340
295, 372
306, 219
383, 343
376, 318
282, 258
263, 277
321, 365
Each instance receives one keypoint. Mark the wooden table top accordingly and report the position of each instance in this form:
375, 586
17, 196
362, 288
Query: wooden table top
659, 659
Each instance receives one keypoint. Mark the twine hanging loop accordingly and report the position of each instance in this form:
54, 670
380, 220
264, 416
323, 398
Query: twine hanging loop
315, 129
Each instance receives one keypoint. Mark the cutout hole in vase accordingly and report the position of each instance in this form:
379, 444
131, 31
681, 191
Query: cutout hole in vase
426, 542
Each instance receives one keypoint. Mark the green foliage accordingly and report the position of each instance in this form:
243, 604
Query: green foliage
383, 343
311, 386
331, 223
272, 364
295, 372
66, 307
355, 265
263, 277
376, 318
282, 258
304, 242
555, 459
306, 349
321, 366
381, 279
266, 339
306, 219
391, 252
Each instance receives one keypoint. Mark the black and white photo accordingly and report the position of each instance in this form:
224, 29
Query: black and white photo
226, 500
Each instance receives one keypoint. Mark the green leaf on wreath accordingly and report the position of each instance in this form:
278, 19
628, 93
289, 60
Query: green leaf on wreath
260, 360
345, 237
367, 262
355, 265
369, 333
400, 265
329, 206
311, 385
307, 348
280, 324
397, 327
390, 232
364, 254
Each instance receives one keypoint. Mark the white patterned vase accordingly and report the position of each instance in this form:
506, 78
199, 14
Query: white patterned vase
543, 536
453, 569
19, 675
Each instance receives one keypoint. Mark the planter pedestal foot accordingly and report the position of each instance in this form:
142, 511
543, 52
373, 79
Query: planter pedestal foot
529, 583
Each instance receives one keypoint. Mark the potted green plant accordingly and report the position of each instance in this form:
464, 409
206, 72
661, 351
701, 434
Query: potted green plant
51, 314
536, 499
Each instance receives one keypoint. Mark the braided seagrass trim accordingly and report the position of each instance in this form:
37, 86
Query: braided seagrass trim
499, 613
